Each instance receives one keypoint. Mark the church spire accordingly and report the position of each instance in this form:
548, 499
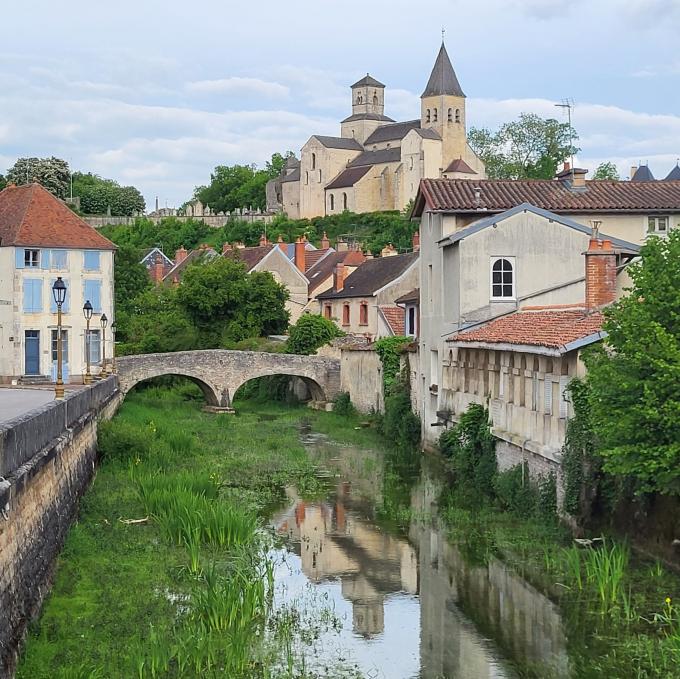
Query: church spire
443, 80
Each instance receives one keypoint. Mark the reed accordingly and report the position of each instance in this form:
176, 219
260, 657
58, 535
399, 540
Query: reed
605, 569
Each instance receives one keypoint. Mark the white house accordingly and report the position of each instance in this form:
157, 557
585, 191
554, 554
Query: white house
41, 239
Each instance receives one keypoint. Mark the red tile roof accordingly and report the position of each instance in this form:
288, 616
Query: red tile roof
250, 256
313, 256
31, 215
553, 328
497, 195
394, 316
459, 165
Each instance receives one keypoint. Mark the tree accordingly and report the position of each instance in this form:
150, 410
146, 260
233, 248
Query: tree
3, 182
52, 173
98, 195
634, 378
310, 333
530, 147
606, 170
131, 279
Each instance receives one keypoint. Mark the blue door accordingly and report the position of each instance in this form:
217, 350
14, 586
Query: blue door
32, 352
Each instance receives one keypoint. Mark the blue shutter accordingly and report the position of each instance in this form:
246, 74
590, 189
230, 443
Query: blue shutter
44, 256
32, 295
92, 290
67, 299
91, 261
28, 295
53, 304
19, 254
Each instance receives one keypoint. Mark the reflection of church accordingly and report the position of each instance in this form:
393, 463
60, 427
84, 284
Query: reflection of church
334, 542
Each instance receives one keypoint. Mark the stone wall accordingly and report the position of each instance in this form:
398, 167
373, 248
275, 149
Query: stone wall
47, 458
361, 376
216, 221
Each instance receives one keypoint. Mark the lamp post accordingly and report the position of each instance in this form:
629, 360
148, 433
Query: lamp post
103, 320
87, 312
114, 327
59, 292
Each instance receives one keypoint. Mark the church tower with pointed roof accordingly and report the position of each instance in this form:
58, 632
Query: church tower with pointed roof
442, 109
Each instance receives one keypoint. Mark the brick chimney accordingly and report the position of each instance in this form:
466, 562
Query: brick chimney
180, 255
415, 241
339, 274
388, 251
263, 240
158, 270
633, 170
300, 254
341, 245
325, 243
600, 273
226, 247
283, 246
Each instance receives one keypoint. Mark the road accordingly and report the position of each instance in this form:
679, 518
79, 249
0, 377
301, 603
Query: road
15, 402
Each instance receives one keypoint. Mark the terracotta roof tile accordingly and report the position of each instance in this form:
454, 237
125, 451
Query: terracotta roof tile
394, 317
553, 328
250, 256
31, 215
313, 256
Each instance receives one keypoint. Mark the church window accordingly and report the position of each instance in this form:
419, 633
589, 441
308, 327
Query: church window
434, 115
375, 100
427, 116
344, 201
313, 160
352, 134
457, 115
306, 177
332, 202
319, 176
450, 116
359, 98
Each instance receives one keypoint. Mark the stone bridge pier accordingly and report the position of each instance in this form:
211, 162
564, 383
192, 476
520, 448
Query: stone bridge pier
219, 372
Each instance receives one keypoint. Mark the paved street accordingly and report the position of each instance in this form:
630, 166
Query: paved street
14, 402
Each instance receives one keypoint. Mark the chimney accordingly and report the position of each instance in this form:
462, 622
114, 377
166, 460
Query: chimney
388, 251
600, 273
325, 243
633, 170
572, 178
339, 277
158, 270
263, 240
415, 241
341, 245
579, 178
282, 246
226, 247
566, 167
300, 254
180, 255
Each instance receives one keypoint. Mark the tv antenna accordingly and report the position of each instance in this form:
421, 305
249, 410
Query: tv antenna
568, 104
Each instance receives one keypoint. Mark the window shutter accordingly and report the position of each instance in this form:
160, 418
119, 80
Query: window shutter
28, 295
564, 405
53, 304
548, 395
44, 256
19, 258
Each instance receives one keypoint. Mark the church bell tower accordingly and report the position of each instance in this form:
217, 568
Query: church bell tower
368, 109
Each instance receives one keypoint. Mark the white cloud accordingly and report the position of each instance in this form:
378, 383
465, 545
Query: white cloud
237, 85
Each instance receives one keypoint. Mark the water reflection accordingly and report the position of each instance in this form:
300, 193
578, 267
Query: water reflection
411, 607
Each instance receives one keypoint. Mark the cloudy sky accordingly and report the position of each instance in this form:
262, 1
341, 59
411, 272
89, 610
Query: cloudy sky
156, 93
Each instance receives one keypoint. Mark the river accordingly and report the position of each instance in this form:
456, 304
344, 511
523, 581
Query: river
409, 604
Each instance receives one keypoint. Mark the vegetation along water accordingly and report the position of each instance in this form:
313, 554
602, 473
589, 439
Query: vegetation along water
284, 542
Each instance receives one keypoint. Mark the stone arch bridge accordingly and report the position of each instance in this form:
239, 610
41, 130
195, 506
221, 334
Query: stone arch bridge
219, 373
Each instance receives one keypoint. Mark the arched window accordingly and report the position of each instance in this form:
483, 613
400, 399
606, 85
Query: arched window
457, 115
306, 177
434, 116
345, 314
375, 100
313, 160
331, 200
411, 163
344, 201
363, 314
450, 115
359, 98
502, 278
427, 116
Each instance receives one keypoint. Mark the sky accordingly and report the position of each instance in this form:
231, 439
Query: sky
156, 94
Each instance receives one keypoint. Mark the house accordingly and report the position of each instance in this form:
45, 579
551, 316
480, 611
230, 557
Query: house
41, 239
489, 268
377, 163
522, 362
157, 263
363, 302
183, 258
320, 274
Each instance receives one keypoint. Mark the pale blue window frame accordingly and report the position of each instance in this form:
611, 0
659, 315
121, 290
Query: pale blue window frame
91, 260
92, 291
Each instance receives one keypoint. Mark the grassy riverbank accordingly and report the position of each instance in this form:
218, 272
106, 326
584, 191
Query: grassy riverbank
165, 573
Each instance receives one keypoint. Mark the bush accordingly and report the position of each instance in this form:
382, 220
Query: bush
389, 351
515, 492
400, 424
342, 405
310, 333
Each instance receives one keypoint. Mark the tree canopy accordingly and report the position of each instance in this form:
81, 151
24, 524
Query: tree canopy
3, 182
606, 170
310, 333
98, 195
52, 173
634, 378
530, 147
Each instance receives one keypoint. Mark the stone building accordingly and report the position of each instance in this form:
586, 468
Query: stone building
42, 239
377, 163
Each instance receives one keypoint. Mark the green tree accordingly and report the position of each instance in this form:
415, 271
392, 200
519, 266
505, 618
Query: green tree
634, 378
131, 279
310, 333
98, 195
52, 173
606, 170
3, 182
530, 147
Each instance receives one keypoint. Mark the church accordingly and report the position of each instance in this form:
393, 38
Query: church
377, 163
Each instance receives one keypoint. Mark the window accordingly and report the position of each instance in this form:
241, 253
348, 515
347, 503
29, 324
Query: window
31, 259
430, 282
657, 225
502, 278
59, 260
331, 200
457, 115
32, 295
95, 346
548, 395
411, 329
327, 311
434, 116
313, 161
64, 346
363, 314
345, 314
306, 177
434, 368
319, 176
92, 291
449, 116
411, 163
375, 100
427, 116
91, 260
344, 201
53, 304
564, 403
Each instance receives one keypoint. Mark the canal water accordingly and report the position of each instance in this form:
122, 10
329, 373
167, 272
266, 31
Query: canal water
408, 604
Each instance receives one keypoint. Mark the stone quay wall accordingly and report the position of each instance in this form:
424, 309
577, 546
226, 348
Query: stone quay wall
47, 459
361, 376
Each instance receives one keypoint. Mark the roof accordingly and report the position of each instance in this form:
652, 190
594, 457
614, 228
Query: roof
409, 298
157, 251
313, 256
31, 215
368, 80
194, 256
392, 131
392, 155
642, 174
555, 330
493, 220
321, 270
443, 78
673, 175
459, 165
497, 195
250, 256
394, 317
427, 132
372, 275
338, 142
367, 116
348, 177
293, 176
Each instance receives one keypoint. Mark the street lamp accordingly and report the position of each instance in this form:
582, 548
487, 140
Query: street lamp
87, 312
103, 320
59, 292
114, 327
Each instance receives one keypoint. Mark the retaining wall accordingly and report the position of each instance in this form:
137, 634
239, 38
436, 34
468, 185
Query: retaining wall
47, 459
361, 376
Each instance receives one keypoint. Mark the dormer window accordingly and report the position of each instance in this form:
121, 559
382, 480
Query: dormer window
503, 278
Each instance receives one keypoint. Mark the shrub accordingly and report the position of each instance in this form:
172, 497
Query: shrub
342, 405
310, 333
389, 351
515, 492
400, 424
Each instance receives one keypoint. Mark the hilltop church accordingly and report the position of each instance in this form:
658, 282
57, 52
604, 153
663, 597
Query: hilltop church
377, 163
